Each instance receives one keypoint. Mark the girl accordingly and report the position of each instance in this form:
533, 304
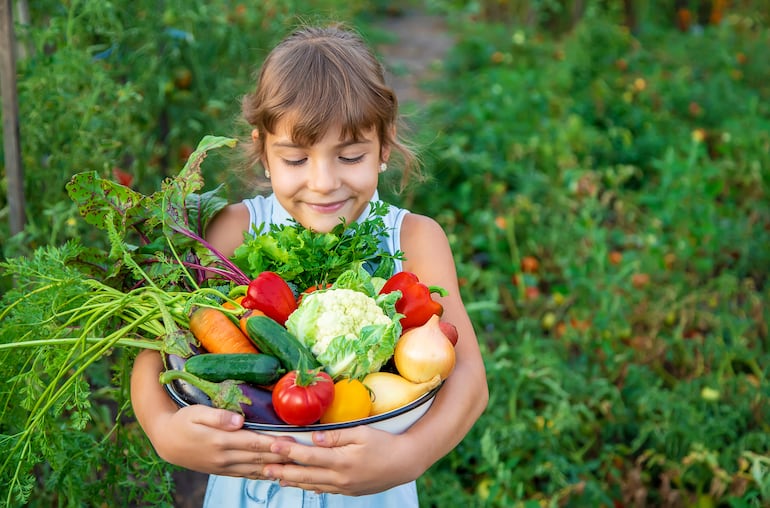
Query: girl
323, 125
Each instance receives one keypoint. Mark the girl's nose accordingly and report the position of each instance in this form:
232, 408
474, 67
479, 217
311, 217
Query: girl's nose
322, 177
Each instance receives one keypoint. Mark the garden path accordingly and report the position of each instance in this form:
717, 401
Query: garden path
419, 40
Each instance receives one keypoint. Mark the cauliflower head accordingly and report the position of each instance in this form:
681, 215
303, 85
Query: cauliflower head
349, 332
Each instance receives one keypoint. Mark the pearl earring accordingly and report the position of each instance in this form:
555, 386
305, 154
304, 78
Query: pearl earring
383, 167
267, 173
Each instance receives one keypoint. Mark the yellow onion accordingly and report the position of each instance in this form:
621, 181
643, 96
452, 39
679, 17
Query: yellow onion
423, 352
391, 391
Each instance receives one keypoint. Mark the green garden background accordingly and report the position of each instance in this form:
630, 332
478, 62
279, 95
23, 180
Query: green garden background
602, 170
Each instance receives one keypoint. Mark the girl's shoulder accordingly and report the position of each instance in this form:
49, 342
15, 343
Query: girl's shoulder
416, 225
423, 241
226, 229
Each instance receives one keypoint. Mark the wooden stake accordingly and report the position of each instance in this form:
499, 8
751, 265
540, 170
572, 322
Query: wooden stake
13, 168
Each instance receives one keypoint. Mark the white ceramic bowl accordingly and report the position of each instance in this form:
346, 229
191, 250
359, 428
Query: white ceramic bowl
395, 422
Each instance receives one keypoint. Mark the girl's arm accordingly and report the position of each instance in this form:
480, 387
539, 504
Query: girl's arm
362, 460
464, 395
198, 437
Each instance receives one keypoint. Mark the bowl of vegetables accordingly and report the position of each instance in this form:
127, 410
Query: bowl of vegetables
395, 421
336, 357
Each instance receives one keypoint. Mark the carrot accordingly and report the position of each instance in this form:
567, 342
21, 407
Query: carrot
217, 333
230, 306
246, 316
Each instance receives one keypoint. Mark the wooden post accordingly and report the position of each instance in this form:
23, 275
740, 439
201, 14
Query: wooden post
13, 168
630, 8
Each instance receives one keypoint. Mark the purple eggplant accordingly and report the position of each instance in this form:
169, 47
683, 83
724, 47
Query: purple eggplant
188, 393
255, 404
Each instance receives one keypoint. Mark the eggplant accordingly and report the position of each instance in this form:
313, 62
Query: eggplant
254, 403
181, 389
178, 345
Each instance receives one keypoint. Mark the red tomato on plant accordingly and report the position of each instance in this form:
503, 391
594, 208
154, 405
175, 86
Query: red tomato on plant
302, 397
530, 264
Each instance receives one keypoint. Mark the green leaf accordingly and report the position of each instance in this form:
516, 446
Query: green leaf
97, 199
201, 208
167, 225
307, 258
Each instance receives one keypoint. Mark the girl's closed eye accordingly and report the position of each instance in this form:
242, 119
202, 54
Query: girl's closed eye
352, 160
294, 162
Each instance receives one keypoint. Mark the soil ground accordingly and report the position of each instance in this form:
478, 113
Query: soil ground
419, 40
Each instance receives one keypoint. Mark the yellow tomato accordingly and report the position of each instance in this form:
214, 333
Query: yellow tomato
352, 401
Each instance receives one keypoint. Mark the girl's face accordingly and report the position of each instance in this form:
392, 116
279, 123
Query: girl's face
318, 184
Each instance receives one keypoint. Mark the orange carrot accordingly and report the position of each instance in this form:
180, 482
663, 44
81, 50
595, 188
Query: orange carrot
230, 306
217, 333
246, 315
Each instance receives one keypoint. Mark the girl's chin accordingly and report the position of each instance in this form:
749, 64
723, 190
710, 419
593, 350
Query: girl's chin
323, 225
323, 220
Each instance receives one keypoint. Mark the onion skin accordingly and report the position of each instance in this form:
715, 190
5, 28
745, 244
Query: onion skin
450, 331
423, 352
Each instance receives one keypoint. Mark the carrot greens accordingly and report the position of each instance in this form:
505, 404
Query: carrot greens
74, 309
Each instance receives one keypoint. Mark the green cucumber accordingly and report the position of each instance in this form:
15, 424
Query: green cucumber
258, 369
273, 339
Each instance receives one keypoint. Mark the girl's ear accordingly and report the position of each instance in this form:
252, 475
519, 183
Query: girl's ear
263, 160
385, 148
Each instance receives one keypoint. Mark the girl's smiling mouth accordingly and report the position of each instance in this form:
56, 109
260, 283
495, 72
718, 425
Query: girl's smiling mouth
326, 208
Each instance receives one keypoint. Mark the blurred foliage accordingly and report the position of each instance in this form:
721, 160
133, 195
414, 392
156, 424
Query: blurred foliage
608, 209
610, 219
126, 89
129, 88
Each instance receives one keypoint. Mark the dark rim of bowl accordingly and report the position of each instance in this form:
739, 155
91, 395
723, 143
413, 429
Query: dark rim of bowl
181, 402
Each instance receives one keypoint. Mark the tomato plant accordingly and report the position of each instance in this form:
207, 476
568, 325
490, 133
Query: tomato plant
302, 397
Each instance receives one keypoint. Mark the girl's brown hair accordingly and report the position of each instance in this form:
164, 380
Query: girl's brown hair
319, 78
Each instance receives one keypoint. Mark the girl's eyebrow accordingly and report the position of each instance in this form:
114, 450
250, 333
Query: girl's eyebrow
291, 144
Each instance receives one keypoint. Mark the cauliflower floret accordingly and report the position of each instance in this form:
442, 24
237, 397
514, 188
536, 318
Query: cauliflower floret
330, 323
336, 312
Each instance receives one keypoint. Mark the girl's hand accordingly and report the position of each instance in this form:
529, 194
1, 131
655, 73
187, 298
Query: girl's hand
212, 441
354, 462
196, 437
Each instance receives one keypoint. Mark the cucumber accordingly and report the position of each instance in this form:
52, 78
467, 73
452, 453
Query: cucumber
273, 339
258, 369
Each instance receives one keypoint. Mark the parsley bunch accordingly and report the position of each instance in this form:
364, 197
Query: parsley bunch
307, 258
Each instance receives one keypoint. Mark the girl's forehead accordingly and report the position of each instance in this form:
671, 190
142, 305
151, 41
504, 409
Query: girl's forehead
297, 130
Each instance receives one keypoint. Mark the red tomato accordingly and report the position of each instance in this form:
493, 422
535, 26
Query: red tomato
301, 399
314, 287
530, 264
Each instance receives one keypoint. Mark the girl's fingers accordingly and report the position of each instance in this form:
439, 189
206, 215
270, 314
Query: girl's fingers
217, 418
307, 478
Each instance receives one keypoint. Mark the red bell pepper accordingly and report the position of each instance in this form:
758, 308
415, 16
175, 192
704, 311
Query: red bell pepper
270, 294
415, 303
